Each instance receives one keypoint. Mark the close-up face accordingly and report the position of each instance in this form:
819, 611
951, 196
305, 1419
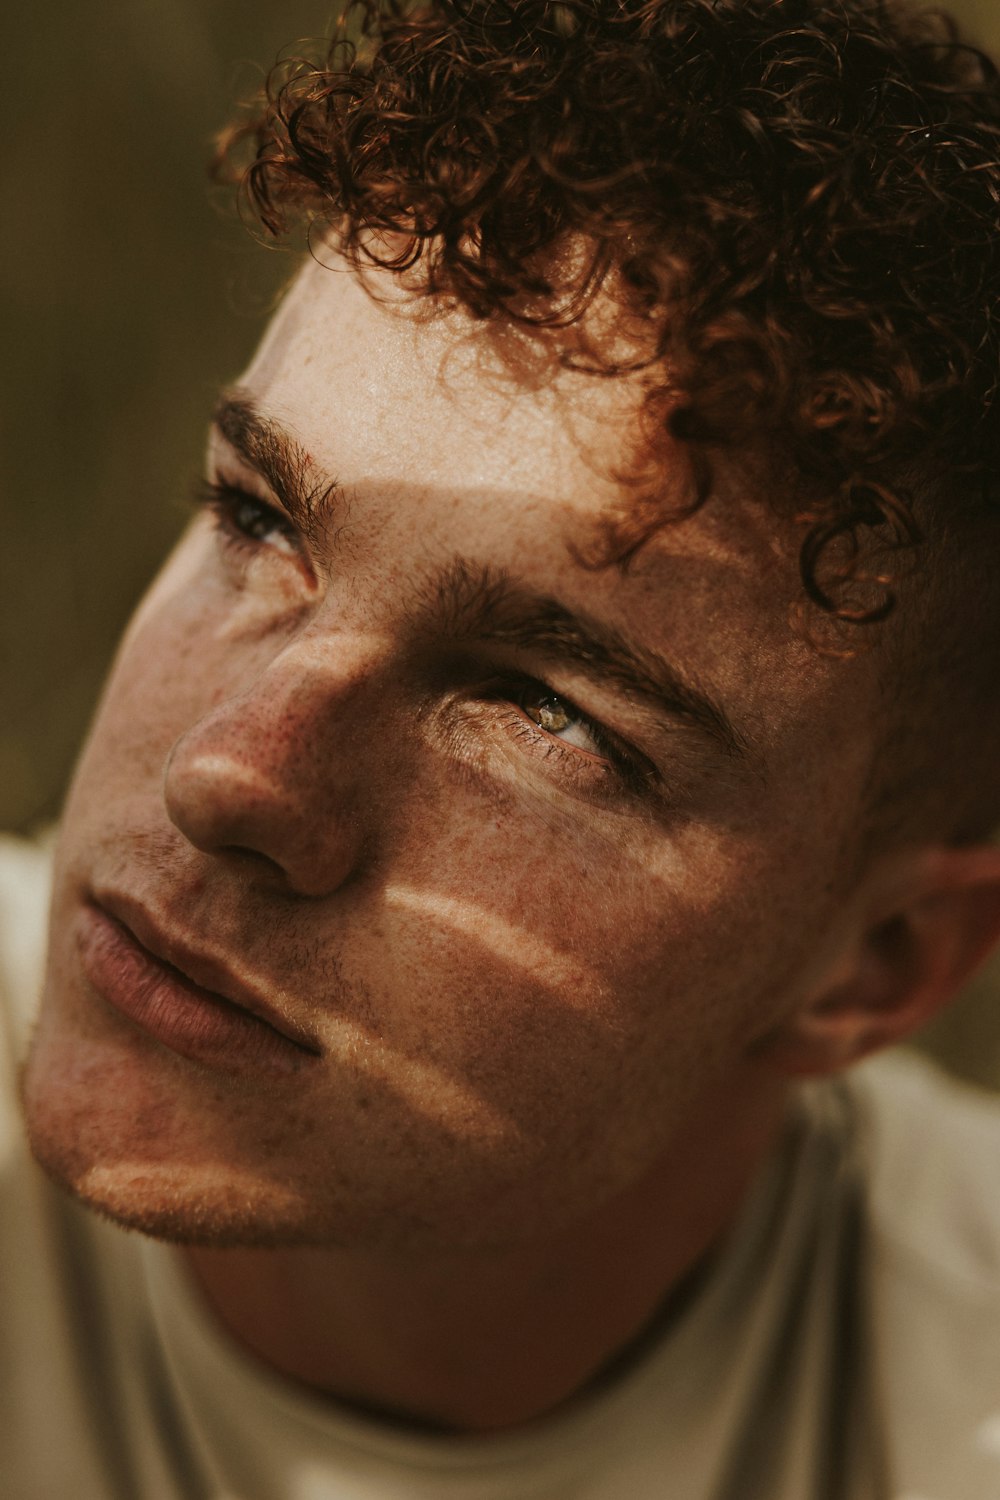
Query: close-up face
513, 858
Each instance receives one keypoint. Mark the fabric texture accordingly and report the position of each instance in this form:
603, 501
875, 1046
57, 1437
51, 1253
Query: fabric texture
843, 1343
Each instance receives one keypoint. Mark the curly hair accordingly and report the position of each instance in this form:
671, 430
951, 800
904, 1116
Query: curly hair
801, 197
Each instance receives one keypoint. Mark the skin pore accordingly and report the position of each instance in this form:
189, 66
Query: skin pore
547, 867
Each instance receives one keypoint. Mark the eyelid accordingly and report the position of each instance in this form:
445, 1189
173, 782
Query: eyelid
636, 771
597, 731
228, 472
223, 499
590, 726
220, 494
228, 465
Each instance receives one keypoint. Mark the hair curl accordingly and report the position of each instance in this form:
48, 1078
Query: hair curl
802, 198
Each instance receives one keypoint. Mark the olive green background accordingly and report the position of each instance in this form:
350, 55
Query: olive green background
130, 292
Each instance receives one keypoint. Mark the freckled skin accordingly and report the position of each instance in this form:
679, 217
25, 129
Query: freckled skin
523, 992
543, 1002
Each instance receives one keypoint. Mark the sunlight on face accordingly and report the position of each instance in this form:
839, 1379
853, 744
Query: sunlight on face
531, 853
550, 969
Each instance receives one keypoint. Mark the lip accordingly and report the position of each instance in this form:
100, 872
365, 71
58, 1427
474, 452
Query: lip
192, 1004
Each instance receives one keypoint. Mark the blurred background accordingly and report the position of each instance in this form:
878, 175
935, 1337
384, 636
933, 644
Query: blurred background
130, 292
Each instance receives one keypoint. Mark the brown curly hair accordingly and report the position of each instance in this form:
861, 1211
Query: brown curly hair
802, 198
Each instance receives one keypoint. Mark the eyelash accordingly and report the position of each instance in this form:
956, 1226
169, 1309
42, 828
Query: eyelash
632, 771
224, 502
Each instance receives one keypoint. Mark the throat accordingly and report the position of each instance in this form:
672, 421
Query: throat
469, 1344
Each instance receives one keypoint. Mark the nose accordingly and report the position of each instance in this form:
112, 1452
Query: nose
268, 775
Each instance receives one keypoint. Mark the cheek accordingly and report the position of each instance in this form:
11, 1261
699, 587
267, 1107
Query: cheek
178, 659
146, 700
586, 993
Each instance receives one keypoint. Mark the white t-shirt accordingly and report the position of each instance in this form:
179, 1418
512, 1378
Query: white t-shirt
843, 1345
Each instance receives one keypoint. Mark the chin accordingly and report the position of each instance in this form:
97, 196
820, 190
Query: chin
158, 1176
149, 1142
124, 1151
180, 1203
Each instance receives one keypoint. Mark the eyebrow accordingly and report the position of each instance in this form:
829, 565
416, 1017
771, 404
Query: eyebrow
480, 603
287, 467
473, 601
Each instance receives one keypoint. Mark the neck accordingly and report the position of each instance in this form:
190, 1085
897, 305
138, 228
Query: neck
482, 1342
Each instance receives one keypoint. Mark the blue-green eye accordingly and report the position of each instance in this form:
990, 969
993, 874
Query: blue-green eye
560, 719
582, 745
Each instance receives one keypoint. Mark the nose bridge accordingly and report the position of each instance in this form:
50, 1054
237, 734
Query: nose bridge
293, 702
314, 678
273, 769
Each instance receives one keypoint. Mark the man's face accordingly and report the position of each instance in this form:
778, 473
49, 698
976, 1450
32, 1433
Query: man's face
524, 856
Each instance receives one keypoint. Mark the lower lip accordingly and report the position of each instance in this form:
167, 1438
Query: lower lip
160, 1000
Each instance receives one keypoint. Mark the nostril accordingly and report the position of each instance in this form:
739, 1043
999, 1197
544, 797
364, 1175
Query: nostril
244, 851
255, 867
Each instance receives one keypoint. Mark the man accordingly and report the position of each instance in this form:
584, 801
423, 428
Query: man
560, 748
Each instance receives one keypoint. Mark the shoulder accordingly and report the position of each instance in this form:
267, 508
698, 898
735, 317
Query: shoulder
25, 867
25, 873
932, 1158
929, 1155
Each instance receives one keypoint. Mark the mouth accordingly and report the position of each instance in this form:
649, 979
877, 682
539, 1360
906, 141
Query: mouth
193, 1005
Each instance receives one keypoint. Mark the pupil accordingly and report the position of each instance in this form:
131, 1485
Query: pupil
552, 717
249, 518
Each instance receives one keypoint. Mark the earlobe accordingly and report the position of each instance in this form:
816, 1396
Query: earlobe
920, 929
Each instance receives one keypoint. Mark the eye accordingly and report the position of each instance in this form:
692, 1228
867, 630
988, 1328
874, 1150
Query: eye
258, 521
576, 745
245, 521
558, 717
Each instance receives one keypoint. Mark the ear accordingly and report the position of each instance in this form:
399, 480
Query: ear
917, 928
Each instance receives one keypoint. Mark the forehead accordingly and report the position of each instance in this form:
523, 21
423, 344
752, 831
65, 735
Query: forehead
387, 395
406, 381
435, 423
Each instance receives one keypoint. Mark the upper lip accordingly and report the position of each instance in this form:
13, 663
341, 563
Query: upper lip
208, 973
